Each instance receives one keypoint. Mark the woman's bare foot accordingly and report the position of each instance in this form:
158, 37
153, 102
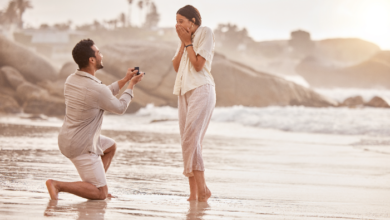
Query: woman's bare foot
110, 196
192, 198
53, 191
50, 208
205, 197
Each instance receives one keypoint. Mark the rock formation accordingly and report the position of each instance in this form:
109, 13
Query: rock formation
35, 86
67, 69
32, 66
378, 102
353, 102
236, 84
12, 76
9, 104
346, 66
18, 94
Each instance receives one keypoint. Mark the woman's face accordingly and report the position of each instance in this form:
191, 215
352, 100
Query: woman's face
183, 21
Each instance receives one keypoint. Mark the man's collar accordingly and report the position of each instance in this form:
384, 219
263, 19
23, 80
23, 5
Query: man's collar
85, 74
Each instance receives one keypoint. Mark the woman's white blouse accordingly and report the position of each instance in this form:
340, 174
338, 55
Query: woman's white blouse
187, 78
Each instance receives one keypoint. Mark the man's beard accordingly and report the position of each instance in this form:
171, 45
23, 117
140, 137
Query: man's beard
99, 66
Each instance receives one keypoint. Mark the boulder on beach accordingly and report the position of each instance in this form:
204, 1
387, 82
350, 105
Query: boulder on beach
53, 88
363, 66
31, 65
105, 77
368, 74
48, 105
8, 91
378, 102
3, 80
353, 102
8, 104
36, 100
11, 76
28, 91
344, 51
67, 69
236, 84
141, 99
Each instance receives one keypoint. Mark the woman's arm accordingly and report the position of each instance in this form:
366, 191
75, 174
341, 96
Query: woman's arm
197, 61
177, 59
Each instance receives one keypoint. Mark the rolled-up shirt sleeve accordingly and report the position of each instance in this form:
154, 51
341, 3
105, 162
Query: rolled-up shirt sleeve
108, 102
206, 44
114, 87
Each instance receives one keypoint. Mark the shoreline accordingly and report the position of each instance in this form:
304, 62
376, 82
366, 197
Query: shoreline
273, 175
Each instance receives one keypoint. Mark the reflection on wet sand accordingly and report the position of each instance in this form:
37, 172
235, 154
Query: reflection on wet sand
90, 209
197, 210
95, 210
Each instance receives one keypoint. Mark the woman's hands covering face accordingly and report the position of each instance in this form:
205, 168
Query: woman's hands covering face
184, 34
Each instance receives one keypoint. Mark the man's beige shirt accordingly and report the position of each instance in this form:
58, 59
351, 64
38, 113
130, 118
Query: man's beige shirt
187, 78
86, 99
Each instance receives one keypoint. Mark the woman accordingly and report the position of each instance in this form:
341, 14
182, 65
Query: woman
195, 89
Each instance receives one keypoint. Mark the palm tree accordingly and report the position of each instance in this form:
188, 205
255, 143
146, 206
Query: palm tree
122, 19
152, 18
147, 5
14, 12
129, 15
21, 6
10, 15
140, 6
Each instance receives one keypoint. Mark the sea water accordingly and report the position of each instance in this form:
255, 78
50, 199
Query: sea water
261, 163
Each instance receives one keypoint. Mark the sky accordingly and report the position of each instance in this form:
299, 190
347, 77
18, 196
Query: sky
264, 19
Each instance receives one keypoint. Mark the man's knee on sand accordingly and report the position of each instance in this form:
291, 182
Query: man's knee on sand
102, 193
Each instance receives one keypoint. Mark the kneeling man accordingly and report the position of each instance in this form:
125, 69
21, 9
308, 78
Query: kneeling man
86, 99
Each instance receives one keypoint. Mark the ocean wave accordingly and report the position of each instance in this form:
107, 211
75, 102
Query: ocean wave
340, 94
346, 121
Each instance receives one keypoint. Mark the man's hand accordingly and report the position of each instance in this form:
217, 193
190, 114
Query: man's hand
130, 73
136, 79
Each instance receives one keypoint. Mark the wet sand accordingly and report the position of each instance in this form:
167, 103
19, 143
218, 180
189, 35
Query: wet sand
274, 175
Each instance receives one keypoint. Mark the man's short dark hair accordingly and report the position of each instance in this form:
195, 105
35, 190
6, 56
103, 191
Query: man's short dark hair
82, 52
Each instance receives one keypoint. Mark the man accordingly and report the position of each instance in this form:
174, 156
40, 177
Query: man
86, 99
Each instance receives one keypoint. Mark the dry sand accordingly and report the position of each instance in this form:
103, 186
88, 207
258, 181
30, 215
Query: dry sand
273, 175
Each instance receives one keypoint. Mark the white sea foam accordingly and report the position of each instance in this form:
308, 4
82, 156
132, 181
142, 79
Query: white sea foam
296, 79
340, 94
364, 121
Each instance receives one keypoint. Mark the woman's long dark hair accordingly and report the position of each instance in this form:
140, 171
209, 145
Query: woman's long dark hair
190, 12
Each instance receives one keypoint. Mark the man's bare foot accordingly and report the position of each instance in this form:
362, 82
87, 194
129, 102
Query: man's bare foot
205, 197
53, 191
192, 198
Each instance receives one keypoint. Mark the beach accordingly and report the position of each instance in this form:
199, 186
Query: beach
253, 173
